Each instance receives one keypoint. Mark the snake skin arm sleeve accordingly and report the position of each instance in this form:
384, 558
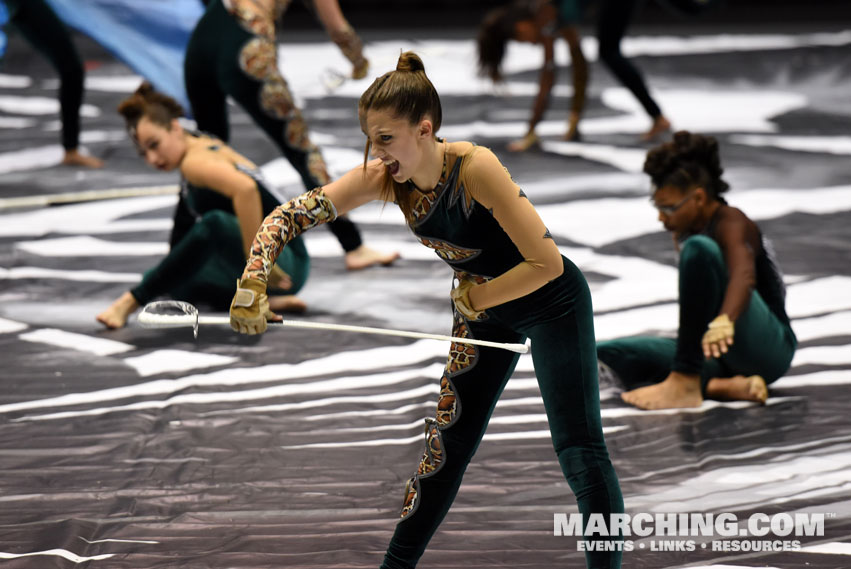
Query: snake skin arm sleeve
350, 44
282, 225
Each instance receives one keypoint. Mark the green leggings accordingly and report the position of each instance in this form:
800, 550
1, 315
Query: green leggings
45, 31
224, 59
763, 344
203, 267
558, 320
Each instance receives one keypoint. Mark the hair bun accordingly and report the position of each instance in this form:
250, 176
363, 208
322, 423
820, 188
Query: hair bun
147, 101
688, 159
410, 61
146, 90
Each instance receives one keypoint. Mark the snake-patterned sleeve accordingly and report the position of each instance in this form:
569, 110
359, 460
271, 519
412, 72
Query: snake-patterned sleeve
350, 45
282, 225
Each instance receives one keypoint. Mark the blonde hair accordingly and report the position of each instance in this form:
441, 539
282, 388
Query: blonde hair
407, 93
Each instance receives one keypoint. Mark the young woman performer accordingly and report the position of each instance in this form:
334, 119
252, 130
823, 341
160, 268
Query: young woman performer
734, 335
537, 21
232, 52
40, 25
513, 284
223, 199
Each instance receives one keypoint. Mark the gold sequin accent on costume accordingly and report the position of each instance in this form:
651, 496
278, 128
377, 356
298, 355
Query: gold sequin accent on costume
316, 166
433, 455
448, 251
254, 20
425, 199
412, 494
282, 225
297, 133
276, 100
447, 404
422, 205
258, 59
461, 358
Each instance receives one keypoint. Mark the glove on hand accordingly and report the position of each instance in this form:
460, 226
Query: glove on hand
718, 337
461, 297
360, 68
249, 310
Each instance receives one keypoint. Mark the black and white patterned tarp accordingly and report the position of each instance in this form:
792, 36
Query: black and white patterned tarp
148, 448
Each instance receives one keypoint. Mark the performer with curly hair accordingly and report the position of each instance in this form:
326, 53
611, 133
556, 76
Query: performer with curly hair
514, 284
232, 53
734, 336
223, 199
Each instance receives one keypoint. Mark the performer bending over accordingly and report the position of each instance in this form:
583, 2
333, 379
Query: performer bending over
459, 200
734, 335
232, 53
223, 199
537, 21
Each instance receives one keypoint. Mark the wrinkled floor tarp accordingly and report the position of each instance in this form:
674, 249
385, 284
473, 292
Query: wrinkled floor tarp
146, 448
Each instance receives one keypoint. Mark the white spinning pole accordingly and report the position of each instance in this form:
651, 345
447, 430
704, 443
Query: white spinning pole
150, 318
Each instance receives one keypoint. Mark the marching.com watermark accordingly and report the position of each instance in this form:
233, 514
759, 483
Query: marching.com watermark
671, 531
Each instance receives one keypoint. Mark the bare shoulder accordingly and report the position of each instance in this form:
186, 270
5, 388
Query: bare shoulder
195, 163
736, 227
729, 215
216, 171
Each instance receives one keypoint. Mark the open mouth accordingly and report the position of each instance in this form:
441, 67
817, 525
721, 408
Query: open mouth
393, 166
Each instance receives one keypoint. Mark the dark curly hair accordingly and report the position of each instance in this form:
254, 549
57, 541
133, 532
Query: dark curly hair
688, 161
496, 29
147, 102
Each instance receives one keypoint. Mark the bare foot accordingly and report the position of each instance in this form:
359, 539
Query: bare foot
677, 391
738, 388
572, 134
661, 125
119, 311
364, 257
524, 143
287, 303
74, 158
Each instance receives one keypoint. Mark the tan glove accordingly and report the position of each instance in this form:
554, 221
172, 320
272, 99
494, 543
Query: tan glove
249, 310
461, 297
360, 68
278, 278
718, 337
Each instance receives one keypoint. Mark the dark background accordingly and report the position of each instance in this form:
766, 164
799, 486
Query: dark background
454, 13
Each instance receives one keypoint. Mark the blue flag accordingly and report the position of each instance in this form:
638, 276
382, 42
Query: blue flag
4, 17
149, 36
